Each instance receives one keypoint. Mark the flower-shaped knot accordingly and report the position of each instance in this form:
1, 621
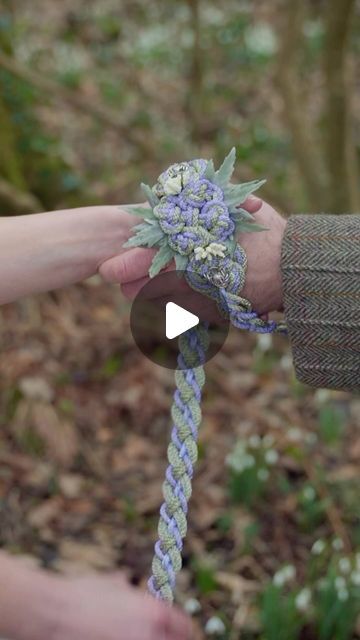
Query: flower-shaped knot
215, 217
175, 178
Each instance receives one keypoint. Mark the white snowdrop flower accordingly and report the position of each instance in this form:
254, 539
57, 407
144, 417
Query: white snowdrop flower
192, 606
344, 565
284, 575
263, 474
337, 544
286, 362
322, 584
271, 456
340, 583
309, 493
357, 561
264, 341
215, 627
249, 461
311, 438
261, 39
268, 440
255, 441
302, 600
322, 395
290, 572
295, 434
355, 578
318, 547
343, 595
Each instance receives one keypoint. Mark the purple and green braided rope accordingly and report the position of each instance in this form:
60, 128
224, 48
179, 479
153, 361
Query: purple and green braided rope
194, 215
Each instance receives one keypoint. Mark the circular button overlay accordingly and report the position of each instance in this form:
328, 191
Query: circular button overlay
167, 307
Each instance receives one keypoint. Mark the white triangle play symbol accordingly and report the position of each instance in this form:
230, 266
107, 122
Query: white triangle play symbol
178, 320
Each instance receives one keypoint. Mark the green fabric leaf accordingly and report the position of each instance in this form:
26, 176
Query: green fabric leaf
223, 175
210, 171
144, 212
148, 234
240, 214
161, 259
180, 262
243, 226
149, 194
237, 194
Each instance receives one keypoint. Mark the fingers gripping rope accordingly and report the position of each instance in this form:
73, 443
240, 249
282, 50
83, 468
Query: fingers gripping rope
182, 455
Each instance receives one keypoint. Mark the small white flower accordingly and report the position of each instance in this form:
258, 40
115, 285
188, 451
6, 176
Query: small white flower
311, 438
286, 362
355, 578
215, 627
192, 606
322, 396
268, 440
357, 561
303, 599
337, 544
271, 456
309, 493
284, 575
255, 441
343, 595
344, 565
249, 461
295, 434
318, 547
264, 341
263, 474
340, 583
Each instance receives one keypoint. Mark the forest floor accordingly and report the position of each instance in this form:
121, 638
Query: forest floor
84, 430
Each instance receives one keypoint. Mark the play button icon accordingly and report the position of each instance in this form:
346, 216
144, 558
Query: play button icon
178, 320
166, 308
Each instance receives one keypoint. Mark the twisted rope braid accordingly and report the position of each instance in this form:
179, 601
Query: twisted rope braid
182, 456
195, 213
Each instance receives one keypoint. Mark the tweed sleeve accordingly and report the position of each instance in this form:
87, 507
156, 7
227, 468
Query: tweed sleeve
320, 266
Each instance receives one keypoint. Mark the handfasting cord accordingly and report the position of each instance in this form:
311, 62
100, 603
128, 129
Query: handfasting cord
193, 218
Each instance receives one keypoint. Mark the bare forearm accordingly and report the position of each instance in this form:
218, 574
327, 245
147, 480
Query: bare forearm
27, 601
46, 251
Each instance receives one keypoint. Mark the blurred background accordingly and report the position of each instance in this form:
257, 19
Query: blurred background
95, 97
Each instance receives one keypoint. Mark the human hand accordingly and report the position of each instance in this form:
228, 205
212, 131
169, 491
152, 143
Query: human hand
107, 607
263, 282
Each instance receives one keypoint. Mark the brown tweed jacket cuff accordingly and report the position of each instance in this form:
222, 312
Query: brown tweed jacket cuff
321, 281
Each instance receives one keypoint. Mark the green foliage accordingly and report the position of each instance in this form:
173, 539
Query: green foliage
279, 617
204, 578
331, 422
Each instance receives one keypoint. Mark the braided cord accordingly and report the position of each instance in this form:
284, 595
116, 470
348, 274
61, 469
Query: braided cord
182, 456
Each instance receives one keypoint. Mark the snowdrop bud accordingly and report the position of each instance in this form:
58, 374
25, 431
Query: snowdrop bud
263, 474
215, 627
343, 595
302, 600
264, 341
337, 544
192, 606
318, 547
340, 583
344, 565
355, 578
271, 456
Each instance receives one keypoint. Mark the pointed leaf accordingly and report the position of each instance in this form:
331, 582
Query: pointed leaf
223, 175
149, 194
244, 227
147, 234
144, 212
210, 171
240, 214
237, 194
161, 259
180, 262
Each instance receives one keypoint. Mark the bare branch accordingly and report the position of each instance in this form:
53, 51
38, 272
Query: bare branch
104, 114
339, 147
295, 106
